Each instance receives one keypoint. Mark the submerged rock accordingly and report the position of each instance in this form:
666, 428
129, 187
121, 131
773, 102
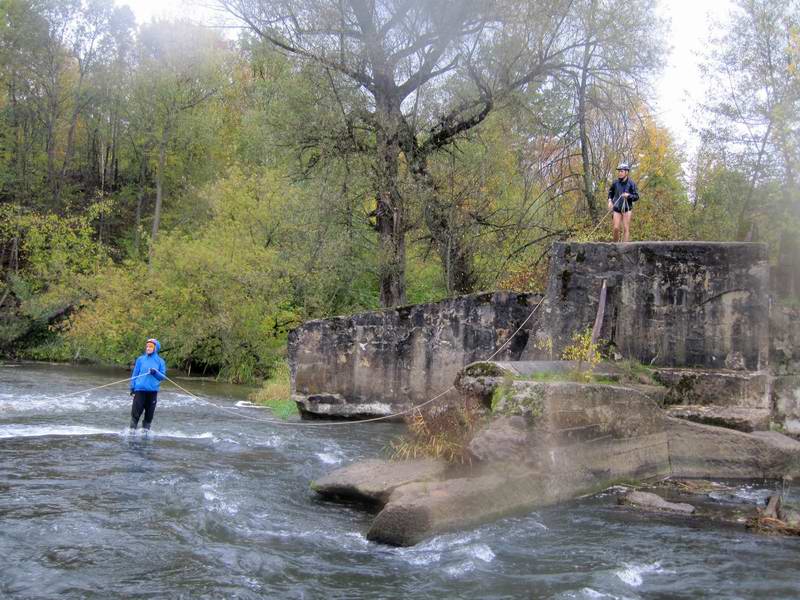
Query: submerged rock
656, 502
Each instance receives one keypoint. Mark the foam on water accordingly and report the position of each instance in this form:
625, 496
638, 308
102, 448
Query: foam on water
36, 403
482, 552
633, 574
206, 435
21, 431
328, 459
459, 569
247, 404
439, 550
15, 431
591, 594
215, 502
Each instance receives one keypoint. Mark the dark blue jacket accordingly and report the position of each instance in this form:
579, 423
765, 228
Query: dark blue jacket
148, 383
620, 187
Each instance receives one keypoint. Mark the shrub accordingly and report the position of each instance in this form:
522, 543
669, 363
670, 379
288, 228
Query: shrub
440, 432
275, 393
584, 352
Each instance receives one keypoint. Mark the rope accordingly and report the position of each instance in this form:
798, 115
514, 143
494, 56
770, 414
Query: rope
599, 223
358, 421
99, 387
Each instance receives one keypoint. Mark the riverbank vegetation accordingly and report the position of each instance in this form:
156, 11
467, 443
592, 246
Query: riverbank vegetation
216, 189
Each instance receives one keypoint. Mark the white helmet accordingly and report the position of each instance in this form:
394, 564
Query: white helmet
623, 166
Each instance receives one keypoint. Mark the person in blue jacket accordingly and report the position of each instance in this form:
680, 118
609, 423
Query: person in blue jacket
148, 373
621, 196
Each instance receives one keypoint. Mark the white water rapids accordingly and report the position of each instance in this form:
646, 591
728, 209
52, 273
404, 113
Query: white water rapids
213, 506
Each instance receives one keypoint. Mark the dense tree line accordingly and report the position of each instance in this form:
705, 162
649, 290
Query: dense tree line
337, 155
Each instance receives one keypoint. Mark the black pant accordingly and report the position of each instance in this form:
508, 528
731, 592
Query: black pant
143, 401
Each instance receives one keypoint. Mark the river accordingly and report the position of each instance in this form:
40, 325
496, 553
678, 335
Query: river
216, 505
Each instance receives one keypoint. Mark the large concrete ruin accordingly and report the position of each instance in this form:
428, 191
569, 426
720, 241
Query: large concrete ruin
701, 311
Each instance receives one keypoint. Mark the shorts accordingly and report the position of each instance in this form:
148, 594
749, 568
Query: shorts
622, 206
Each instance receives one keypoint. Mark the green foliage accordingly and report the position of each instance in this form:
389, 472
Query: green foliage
50, 257
500, 394
275, 393
269, 176
220, 298
550, 376
632, 371
584, 352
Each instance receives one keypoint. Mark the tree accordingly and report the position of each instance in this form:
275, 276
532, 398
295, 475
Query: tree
754, 99
422, 73
622, 49
180, 66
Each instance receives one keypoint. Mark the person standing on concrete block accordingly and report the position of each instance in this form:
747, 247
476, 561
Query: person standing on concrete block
621, 196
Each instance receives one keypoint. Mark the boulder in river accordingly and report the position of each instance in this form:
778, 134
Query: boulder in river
655, 502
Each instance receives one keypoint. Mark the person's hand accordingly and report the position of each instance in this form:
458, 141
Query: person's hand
133, 393
153, 371
624, 194
610, 205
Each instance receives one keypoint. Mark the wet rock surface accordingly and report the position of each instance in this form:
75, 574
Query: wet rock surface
373, 481
552, 441
648, 500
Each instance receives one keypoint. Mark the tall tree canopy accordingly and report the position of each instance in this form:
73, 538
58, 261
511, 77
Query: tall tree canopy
419, 74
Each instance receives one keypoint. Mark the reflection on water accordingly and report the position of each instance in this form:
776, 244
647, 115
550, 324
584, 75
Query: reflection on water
213, 506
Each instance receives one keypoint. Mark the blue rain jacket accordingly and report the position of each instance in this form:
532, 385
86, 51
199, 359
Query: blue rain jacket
148, 383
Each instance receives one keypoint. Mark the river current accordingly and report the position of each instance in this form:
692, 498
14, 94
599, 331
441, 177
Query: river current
215, 505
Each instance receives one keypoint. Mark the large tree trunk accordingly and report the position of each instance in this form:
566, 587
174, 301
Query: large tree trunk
389, 212
588, 185
162, 158
441, 219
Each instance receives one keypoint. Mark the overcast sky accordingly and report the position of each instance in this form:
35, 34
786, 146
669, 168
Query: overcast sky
675, 95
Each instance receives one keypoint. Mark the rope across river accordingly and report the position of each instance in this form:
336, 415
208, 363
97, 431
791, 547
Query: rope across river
307, 423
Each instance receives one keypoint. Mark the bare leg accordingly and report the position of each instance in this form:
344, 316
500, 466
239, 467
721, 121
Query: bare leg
617, 221
626, 225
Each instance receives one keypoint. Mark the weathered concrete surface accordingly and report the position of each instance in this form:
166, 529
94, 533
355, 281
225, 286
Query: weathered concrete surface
786, 275
551, 441
335, 406
674, 304
785, 365
370, 481
680, 304
740, 419
697, 450
786, 396
785, 340
592, 428
386, 361
716, 387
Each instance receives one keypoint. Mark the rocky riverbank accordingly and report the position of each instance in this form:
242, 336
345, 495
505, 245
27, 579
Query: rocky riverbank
544, 443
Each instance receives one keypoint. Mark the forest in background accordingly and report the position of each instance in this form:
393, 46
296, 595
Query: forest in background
217, 186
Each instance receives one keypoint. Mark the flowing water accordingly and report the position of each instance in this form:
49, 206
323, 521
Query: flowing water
213, 505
